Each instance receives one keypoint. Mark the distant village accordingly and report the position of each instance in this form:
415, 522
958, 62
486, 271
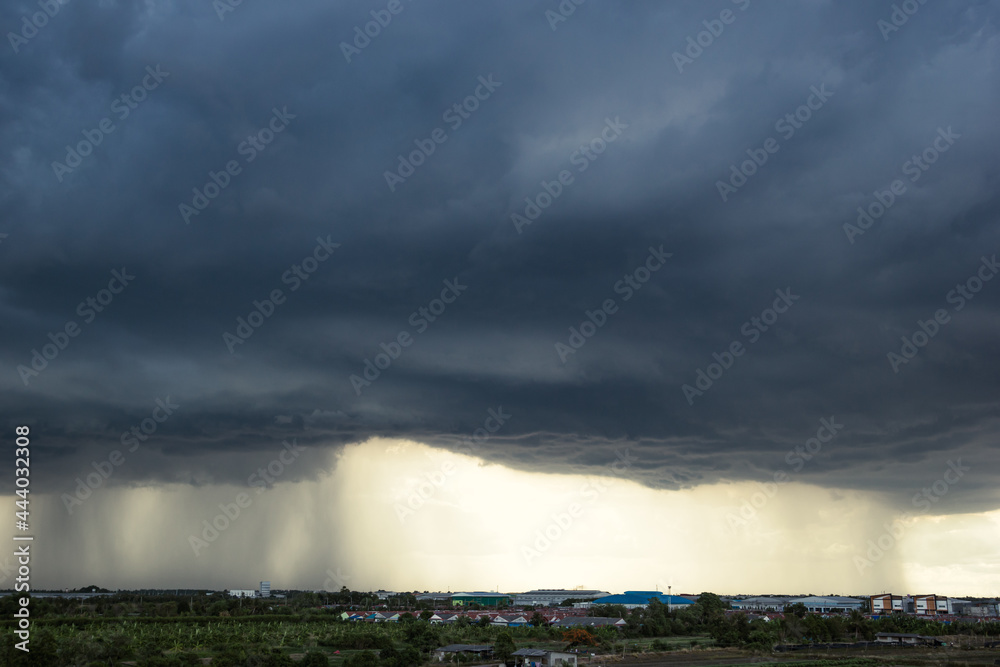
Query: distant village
569, 607
537, 628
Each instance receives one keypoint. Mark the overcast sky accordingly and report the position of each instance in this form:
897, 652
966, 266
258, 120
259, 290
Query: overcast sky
630, 230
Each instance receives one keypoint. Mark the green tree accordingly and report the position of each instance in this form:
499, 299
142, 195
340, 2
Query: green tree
798, 609
42, 653
538, 620
274, 658
730, 631
362, 659
504, 646
230, 657
710, 607
315, 659
422, 636
613, 610
856, 623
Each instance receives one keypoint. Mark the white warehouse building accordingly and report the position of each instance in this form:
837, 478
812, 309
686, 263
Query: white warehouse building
813, 603
825, 604
554, 596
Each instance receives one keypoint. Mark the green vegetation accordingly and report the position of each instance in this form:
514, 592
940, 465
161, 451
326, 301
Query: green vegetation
738, 630
169, 630
260, 633
504, 646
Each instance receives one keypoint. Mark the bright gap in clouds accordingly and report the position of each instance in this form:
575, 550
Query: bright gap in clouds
402, 515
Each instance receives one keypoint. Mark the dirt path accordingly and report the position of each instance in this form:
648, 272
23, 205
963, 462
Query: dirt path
944, 657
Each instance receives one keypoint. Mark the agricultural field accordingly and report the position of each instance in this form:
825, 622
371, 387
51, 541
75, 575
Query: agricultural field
156, 631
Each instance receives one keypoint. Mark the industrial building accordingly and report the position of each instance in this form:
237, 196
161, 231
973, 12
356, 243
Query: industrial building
554, 596
923, 605
761, 603
886, 603
480, 651
930, 605
813, 603
536, 657
983, 608
636, 599
485, 599
825, 604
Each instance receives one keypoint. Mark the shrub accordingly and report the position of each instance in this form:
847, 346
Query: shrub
315, 659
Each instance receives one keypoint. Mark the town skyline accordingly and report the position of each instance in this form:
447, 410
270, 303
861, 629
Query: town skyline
393, 293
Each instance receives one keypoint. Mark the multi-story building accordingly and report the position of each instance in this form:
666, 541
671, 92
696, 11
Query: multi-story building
265, 589
926, 605
930, 605
886, 603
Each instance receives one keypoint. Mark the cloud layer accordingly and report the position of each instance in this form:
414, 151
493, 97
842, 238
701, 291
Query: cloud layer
534, 167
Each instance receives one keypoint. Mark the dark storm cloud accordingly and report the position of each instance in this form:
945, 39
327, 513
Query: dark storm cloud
654, 185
